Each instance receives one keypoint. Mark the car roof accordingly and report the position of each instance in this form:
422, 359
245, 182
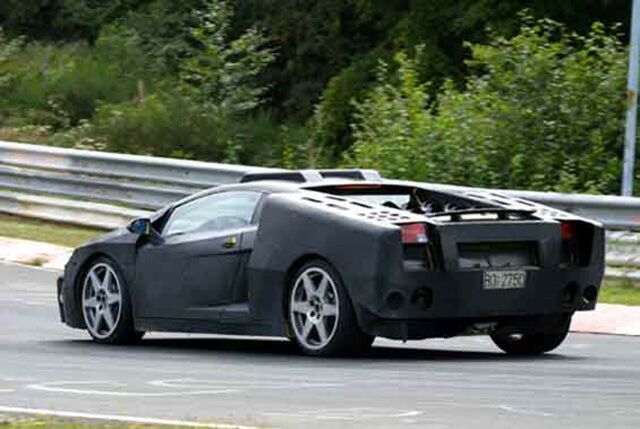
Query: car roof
278, 186
312, 175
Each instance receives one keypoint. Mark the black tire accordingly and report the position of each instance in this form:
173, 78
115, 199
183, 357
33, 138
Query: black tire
347, 337
533, 343
123, 330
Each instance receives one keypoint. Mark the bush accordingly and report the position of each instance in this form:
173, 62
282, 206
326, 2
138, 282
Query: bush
545, 112
59, 85
203, 94
330, 122
259, 140
162, 125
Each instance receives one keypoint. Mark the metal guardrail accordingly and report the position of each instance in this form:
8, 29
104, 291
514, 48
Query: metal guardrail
139, 168
143, 182
105, 190
67, 211
618, 213
110, 191
623, 255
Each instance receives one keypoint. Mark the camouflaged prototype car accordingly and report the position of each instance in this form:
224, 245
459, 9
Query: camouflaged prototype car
332, 259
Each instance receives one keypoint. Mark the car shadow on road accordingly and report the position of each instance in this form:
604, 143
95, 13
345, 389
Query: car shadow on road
241, 347
430, 354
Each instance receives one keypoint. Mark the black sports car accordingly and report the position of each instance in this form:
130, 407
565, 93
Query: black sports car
332, 259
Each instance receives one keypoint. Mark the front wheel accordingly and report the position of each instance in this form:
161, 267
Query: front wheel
533, 343
106, 306
320, 313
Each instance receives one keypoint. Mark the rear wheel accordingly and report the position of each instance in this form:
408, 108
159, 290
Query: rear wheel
533, 343
320, 313
106, 306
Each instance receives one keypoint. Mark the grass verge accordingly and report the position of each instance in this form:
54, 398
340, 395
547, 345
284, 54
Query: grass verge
620, 292
25, 423
48, 232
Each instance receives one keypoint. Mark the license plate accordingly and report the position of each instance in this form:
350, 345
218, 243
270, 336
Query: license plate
503, 279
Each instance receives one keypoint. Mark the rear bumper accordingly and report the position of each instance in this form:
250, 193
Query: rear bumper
461, 294
422, 304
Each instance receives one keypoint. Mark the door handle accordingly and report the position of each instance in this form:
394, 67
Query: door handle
230, 242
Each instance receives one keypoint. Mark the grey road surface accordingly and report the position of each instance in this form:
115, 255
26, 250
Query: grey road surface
590, 382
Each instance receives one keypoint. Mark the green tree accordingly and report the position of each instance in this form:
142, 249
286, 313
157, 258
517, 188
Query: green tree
69, 20
217, 87
221, 73
544, 110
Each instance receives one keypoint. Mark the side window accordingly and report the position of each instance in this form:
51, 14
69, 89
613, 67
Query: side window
213, 212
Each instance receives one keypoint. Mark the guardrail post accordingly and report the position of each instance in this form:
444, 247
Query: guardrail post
632, 103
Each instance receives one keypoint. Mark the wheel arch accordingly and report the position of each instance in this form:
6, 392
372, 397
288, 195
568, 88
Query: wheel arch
346, 334
79, 278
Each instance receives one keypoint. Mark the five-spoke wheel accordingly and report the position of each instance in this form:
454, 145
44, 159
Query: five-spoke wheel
105, 304
320, 313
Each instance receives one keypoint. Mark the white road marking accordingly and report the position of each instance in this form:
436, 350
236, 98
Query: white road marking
189, 387
439, 405
59, 387
522, 411
19, 379
186, 383
353, 414
7, 390
119, 418
26, 302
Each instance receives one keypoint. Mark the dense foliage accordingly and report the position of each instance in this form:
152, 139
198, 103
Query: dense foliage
545, 111
295, 84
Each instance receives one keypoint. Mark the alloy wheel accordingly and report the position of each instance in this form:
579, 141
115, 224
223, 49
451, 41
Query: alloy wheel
101, 300
314, 307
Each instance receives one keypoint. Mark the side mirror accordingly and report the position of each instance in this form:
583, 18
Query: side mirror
140, 226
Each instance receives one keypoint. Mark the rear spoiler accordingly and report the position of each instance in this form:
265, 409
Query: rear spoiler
304, 176
503, 214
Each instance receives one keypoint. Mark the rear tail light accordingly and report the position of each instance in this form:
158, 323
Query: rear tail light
414, 233
569, 254
568, 231
417, 246
577, 240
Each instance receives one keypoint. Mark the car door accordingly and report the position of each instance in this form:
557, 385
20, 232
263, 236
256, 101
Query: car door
193, 267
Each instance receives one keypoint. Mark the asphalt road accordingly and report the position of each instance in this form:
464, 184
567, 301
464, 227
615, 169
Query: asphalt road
590, 382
